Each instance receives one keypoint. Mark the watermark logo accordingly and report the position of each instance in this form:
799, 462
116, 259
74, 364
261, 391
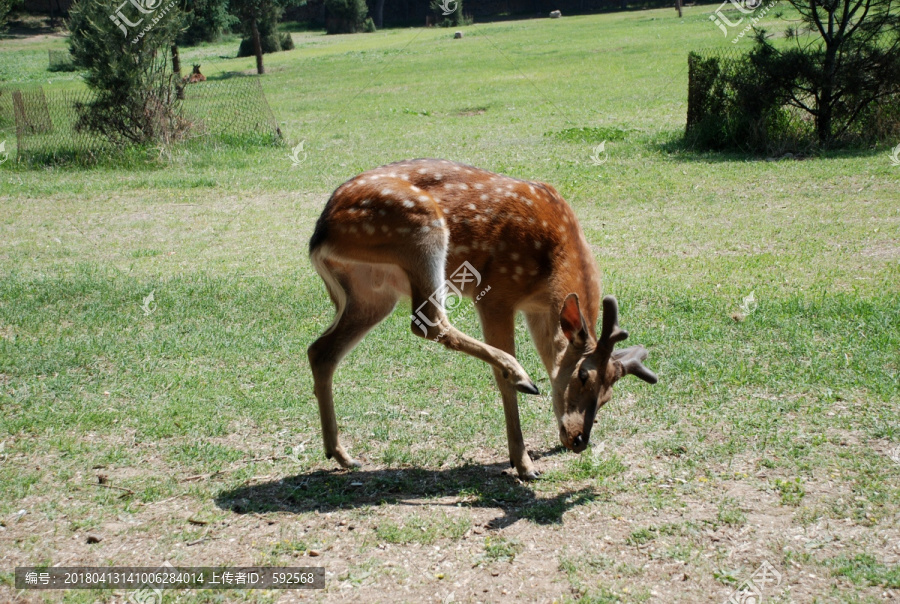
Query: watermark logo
600, 150
5, 156
446, 4
895, 454
146, 595
145, 8
895, 155
749, 303
745, 7
149, 304
449, 296
295, 158
753, 590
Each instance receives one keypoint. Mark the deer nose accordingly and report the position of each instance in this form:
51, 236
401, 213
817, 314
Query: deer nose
578, 442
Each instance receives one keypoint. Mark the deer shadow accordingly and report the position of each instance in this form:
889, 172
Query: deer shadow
477, 486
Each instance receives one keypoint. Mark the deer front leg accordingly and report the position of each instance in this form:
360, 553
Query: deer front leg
499, 331
430, 321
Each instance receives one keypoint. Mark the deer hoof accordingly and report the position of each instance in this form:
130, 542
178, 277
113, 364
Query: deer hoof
529, 475
343, 459
527, 388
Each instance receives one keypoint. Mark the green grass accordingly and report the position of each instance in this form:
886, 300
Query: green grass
202, 405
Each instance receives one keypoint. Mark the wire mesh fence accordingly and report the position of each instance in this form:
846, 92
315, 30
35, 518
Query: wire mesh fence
47, 125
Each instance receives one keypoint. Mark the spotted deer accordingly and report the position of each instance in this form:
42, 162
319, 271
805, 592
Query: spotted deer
402, 229
195, 76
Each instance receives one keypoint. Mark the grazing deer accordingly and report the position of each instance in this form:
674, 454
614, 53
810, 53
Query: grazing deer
394, 231
195, 76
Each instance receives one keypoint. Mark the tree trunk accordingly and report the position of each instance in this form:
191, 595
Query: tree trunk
176, 69
678, 7
176, 61
379, 13
257, 47
826, 99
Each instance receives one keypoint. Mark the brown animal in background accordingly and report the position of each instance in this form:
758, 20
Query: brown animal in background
196, 76
425, 228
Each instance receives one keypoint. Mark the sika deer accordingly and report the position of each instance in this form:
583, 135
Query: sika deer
394, 231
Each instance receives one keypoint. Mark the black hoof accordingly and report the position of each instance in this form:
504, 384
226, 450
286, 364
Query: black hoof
528, 388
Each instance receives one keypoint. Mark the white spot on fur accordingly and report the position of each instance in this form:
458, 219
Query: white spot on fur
403, 230
503, 269
408, 203
537, 245
519, 270
514, 255
368, 228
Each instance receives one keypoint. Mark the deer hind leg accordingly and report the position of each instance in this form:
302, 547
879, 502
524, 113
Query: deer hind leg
363, 296
430, 321
498, 326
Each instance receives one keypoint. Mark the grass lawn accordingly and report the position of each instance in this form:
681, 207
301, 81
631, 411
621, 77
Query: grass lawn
773, 435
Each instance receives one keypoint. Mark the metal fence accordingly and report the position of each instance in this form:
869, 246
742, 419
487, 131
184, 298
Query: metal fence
46, 121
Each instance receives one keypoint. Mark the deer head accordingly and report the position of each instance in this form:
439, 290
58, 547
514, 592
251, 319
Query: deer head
196, 69
588, 370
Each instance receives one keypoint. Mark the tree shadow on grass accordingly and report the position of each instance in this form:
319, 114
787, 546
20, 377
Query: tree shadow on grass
470, 485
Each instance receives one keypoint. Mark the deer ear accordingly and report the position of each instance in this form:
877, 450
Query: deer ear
572, 322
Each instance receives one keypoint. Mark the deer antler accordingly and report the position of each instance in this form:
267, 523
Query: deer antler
630, 358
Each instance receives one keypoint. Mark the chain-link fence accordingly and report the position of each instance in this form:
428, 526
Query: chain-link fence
231, 110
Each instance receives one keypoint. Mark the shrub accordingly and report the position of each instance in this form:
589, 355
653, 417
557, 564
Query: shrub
837, 83
346, 16
272, 43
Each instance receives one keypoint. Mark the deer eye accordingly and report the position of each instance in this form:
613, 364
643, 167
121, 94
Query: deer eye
583, 375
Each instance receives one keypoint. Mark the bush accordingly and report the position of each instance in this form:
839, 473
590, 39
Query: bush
823, 89
274, 42
733, 103
346, 16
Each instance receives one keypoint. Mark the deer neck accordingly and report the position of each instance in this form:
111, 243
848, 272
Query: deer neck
575, 272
